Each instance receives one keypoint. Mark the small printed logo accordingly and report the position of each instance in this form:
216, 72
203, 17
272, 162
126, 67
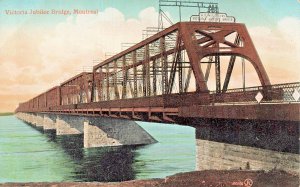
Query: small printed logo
248, 183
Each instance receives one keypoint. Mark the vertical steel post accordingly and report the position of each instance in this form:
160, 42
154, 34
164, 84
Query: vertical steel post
164, 65
208, 68
93, 88
107, 82
59, 96
243, 73
230, 66
134, 74
218, 74
147, 66
188, 79
45, 99
144, 80
154, 77
101, 84
180, 72
116, 90
124, 86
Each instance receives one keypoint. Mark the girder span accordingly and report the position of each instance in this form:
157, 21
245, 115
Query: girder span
165, 62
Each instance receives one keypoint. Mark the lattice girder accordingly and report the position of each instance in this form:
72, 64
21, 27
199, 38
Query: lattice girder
213, 36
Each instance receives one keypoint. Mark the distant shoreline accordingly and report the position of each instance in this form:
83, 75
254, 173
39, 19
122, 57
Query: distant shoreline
6, 114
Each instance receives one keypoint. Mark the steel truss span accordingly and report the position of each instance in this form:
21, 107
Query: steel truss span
157, 78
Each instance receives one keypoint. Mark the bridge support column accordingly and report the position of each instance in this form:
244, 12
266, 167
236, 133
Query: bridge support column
49, 121
38, 119
22, 116
98, 132
247, 145
223, 156
33, 119
101, 132
29, 118
69, 124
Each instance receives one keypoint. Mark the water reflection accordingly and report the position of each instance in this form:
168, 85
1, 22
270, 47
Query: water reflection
51, 134
106, 164
38, 128
174, 153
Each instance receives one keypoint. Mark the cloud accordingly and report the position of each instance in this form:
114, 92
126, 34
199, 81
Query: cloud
79, 40
32, 59
19, 58
279, 49
289, 28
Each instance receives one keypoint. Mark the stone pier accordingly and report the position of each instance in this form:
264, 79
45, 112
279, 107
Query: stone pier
101, 132
223, 156
30, 118
27, 117
50, 121
247, 145
69, 124
38, 120
98, 131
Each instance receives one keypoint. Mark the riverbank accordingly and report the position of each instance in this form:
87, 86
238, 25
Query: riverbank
195, 178
6, 114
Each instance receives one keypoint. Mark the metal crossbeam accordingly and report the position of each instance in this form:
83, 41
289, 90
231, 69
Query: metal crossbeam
230, 65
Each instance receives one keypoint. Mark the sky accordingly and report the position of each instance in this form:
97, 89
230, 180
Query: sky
38, 52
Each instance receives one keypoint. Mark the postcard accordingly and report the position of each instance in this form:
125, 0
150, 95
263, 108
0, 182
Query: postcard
149, 93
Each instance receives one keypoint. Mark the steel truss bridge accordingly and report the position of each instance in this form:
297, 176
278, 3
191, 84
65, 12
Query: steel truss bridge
164, 78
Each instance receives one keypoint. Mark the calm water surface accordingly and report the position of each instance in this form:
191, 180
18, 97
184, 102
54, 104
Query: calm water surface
30, 155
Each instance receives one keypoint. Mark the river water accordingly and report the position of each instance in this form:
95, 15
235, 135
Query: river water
30, 155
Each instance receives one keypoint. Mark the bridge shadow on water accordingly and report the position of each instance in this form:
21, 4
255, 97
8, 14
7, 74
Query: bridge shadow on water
105, 164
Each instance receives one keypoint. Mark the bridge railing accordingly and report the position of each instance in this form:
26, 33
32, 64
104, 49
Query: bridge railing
278, 93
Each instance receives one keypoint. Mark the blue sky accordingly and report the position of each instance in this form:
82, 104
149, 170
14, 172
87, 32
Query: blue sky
253, 13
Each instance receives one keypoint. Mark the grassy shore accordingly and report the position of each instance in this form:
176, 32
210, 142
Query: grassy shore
6, 114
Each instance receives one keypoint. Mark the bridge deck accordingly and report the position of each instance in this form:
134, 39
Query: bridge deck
271, 111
